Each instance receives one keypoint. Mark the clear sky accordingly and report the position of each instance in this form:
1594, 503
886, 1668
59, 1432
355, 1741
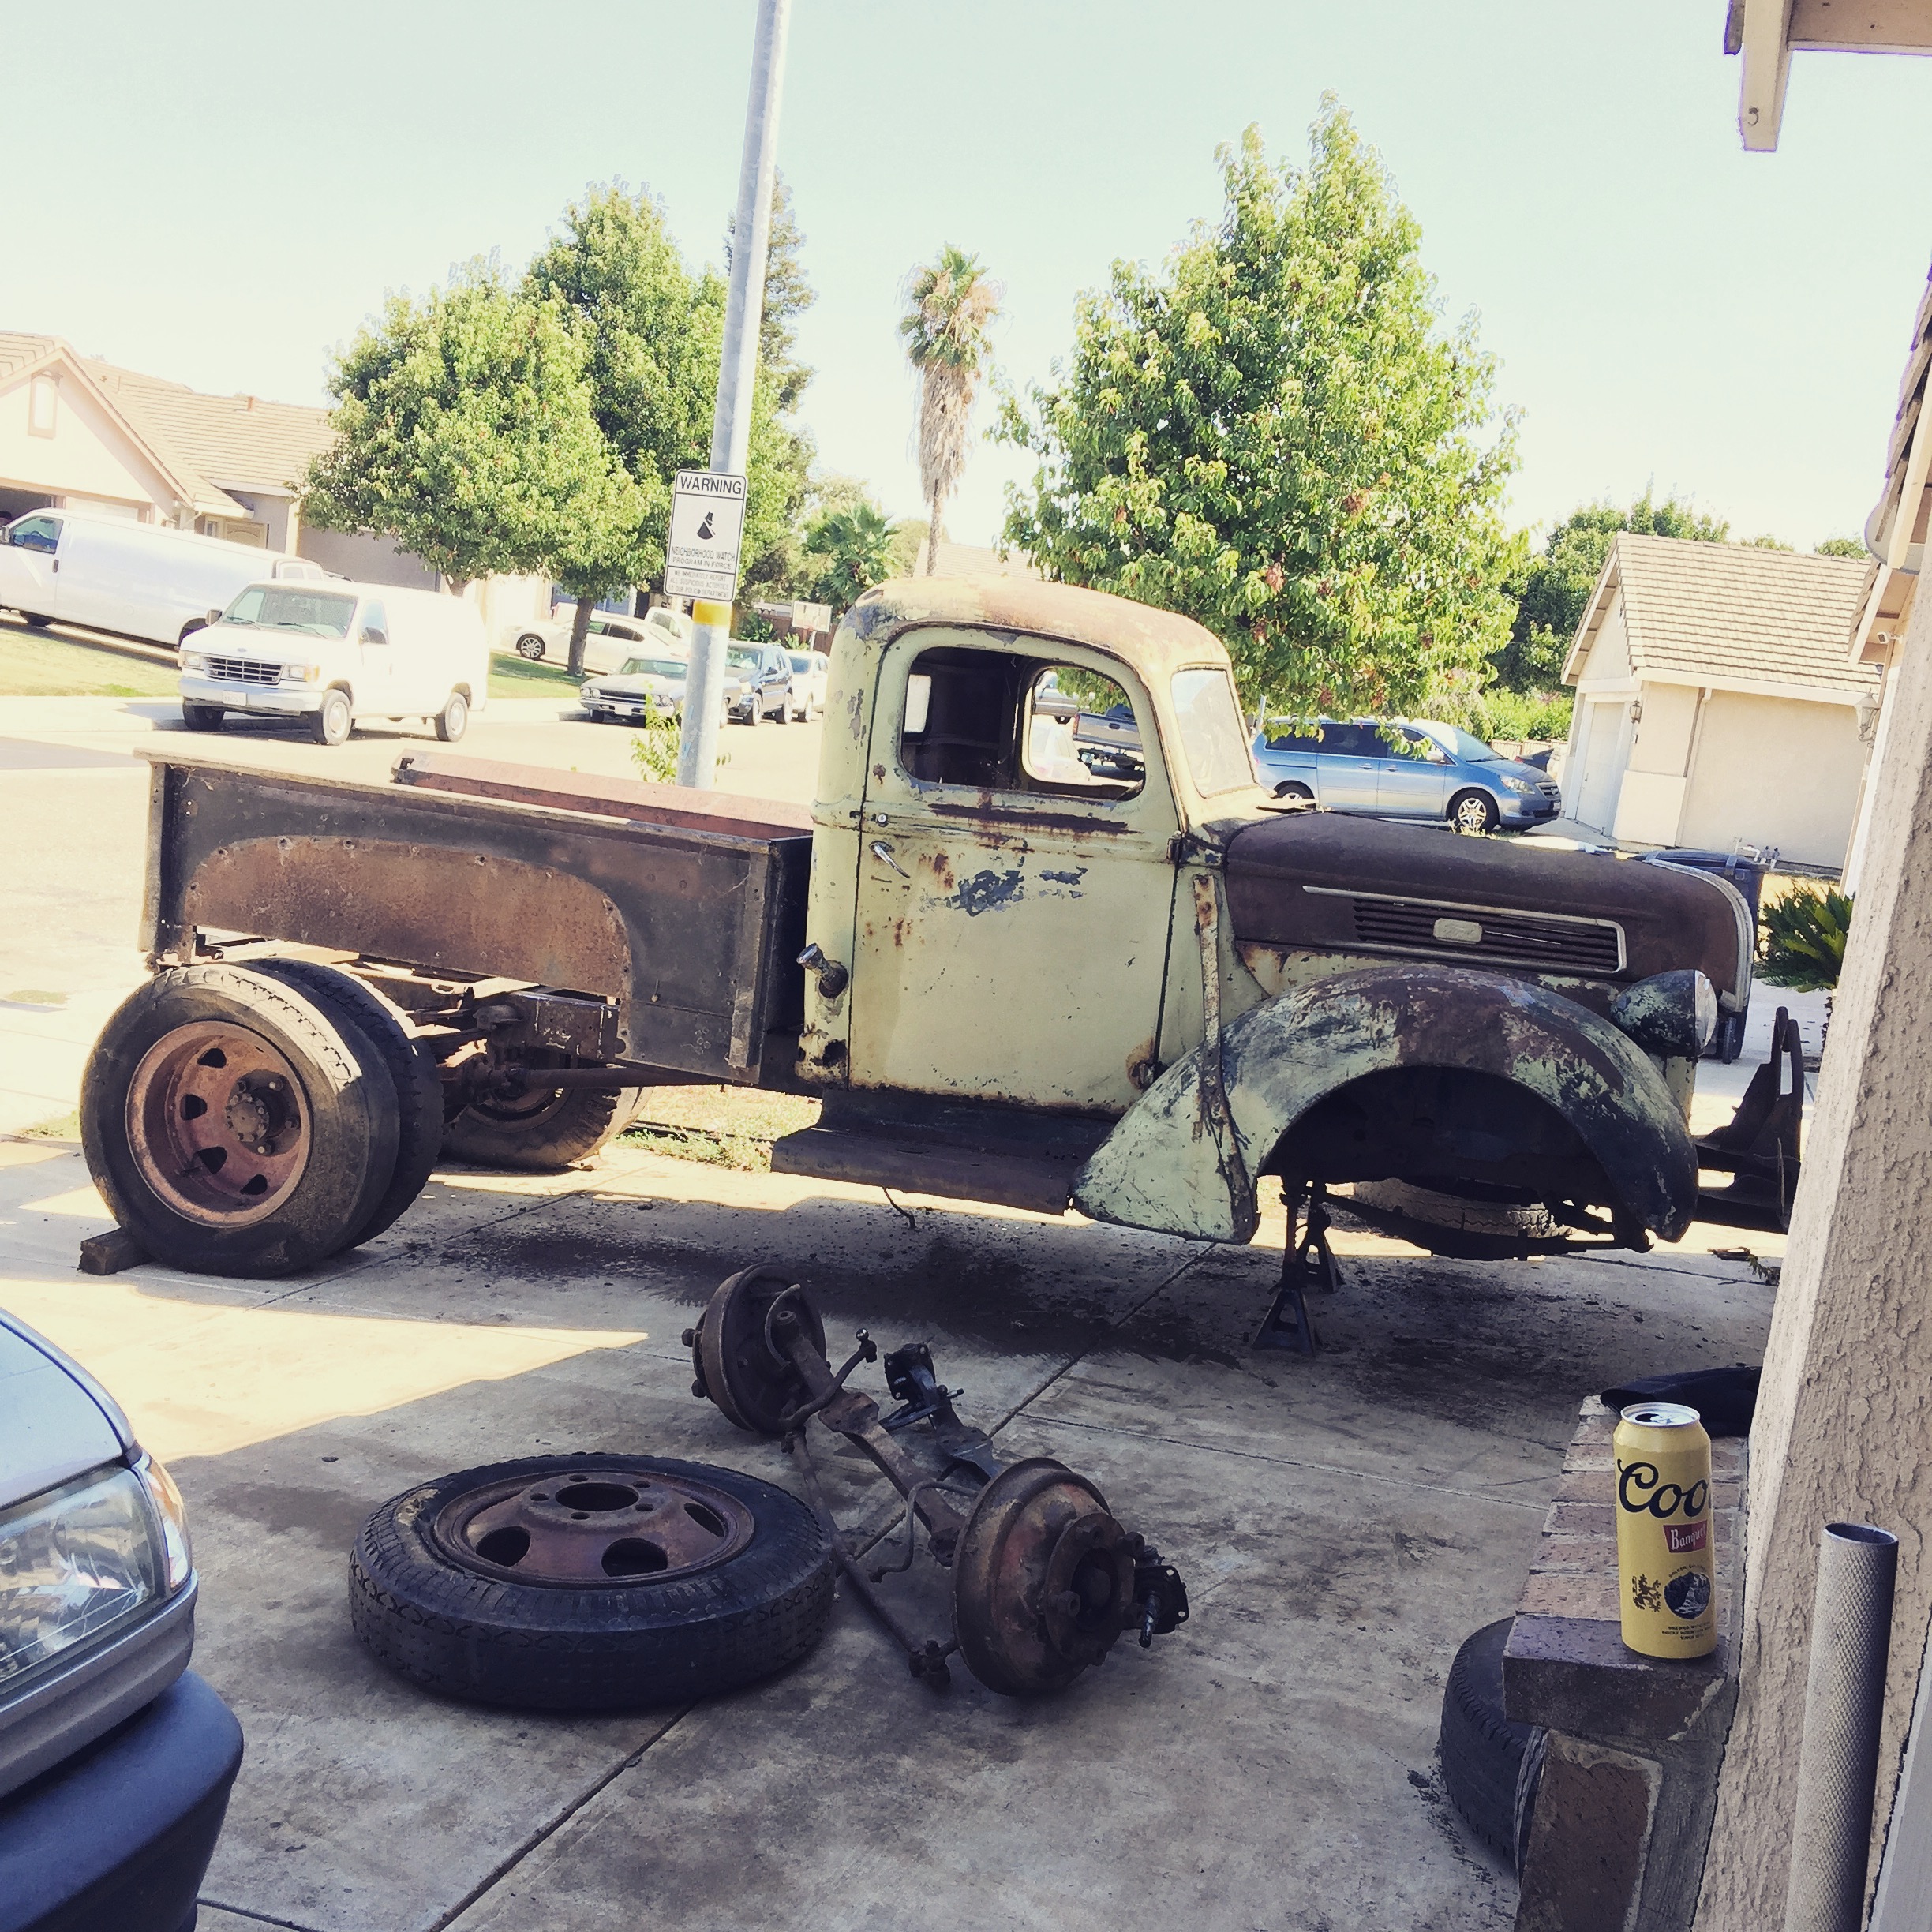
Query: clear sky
221, 193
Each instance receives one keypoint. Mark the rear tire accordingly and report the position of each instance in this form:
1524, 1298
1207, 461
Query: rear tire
481, 1635
541, 1132
312, 1126
351, 1002
453, 721
331, 724
202, 716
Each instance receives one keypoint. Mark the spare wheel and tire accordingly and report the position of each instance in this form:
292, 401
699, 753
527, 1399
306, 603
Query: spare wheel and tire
1491, 1765
236, 1126
590, 1582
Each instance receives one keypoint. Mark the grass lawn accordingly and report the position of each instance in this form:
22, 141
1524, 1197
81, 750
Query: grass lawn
727, 1126
33, 664
512, 677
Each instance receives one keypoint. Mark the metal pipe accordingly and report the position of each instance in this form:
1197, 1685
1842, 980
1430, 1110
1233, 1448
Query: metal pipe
1844, 1702
731, 422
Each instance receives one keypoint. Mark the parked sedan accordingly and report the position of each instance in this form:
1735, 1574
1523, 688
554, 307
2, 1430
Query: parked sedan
767, 675
116, 1761
641, 685
607, 643
811, 673
1404, 769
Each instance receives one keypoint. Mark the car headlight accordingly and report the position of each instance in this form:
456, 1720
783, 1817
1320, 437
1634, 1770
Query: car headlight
1519, 785
77, 1560
591, 690
194, 660
300, 673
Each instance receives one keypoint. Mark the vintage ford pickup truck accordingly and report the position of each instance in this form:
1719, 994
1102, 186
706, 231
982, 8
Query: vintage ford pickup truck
1010, 977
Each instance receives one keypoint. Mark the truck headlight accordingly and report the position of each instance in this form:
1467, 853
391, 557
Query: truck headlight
302, 673
194, 660
1522, 785
76, 1560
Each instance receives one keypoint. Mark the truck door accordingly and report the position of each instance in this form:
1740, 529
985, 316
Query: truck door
31, 582
377, 675
1012, 906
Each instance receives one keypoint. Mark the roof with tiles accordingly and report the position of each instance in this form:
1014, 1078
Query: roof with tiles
1732, 613
212, 443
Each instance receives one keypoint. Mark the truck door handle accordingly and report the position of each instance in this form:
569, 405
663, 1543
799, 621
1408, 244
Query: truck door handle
883, 852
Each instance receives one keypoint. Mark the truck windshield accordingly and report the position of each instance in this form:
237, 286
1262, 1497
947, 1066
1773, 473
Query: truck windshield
651, 667
1211, 731
317, 613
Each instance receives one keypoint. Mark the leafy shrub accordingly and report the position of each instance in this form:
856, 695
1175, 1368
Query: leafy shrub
1801, 938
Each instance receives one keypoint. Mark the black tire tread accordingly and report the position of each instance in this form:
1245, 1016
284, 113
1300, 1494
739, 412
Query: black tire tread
530, 1648
1482, 1749
293, 1239
350, 1001
588, 1120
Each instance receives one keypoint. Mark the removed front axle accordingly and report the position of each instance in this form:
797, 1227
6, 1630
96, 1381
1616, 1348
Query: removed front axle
1044, 1579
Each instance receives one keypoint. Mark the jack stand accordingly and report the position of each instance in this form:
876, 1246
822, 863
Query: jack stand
1307, 1262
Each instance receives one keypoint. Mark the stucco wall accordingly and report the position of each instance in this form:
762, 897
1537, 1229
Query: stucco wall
88, 454
367, 558
1774, 771
1843, 1429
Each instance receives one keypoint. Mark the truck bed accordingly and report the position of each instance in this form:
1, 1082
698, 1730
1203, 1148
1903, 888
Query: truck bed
684, 909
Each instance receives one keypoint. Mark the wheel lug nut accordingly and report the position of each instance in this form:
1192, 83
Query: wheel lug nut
1068, 1603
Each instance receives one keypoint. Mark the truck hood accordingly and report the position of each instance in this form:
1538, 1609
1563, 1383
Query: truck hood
1323, 880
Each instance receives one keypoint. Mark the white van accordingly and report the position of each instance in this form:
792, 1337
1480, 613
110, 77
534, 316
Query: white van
139, 579
334, 652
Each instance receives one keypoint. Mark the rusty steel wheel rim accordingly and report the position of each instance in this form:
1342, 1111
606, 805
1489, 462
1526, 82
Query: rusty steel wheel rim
219, 1123
592, 1529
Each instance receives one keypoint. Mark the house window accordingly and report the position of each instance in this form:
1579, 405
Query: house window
43, 404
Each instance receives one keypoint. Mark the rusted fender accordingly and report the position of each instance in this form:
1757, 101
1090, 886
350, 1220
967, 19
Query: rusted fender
1159, 1167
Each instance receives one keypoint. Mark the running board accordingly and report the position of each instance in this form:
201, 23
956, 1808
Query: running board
958, 1173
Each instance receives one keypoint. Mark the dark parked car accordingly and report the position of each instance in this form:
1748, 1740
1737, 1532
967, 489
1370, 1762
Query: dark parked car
766, 673
1404, 769
116, 1761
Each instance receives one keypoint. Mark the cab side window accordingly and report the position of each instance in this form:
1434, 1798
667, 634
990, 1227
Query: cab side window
374, 624
996, 722
37, 533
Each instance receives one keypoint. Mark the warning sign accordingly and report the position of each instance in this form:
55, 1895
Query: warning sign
707, 527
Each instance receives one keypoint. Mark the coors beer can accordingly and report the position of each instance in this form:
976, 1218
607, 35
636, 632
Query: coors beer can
1663, 1531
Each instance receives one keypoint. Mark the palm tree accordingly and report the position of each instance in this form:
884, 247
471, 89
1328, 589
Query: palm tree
951, 305
850, 550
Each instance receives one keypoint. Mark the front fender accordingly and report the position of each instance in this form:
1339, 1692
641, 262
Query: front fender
1162, 1166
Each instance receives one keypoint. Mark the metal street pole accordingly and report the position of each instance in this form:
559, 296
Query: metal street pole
731, 428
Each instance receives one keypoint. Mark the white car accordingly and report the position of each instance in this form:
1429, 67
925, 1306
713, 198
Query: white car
811, 672
642, 685
608, 642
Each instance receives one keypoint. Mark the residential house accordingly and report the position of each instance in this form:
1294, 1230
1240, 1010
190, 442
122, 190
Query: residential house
1716, 701
79, 433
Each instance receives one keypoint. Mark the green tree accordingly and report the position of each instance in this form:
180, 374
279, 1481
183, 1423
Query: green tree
464, 431
950, 306
1271, 433
847, 551
1553, 590
1843, 546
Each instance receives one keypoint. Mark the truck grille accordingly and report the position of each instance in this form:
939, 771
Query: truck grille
1571, 945
243, 671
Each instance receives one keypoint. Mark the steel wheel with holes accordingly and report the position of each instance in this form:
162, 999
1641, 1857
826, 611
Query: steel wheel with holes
1473, 811
234, 1125
590, 1582
530, 646
732, 1357
540, 1131
1043, 1581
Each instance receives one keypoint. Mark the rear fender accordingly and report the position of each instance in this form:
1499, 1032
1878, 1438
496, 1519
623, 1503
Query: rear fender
1162, 1166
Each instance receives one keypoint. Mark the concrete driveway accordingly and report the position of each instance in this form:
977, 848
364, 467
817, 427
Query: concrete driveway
1342, 1525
